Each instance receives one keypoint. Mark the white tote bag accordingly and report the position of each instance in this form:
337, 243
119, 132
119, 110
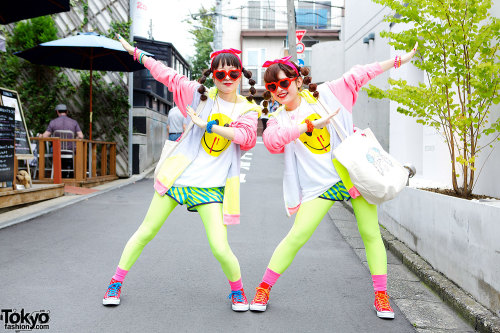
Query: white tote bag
169, 146
376, 174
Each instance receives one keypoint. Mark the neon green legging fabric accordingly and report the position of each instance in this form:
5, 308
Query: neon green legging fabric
159, 210
307, 220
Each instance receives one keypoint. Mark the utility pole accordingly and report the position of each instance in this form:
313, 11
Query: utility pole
292, 45
218, 26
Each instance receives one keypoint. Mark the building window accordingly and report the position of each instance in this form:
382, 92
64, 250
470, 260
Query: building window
261, 14
253, 62
314, 15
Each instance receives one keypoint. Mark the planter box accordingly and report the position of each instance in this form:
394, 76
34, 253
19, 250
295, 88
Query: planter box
460, 238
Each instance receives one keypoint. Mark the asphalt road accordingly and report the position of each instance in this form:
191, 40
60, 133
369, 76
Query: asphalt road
60, 264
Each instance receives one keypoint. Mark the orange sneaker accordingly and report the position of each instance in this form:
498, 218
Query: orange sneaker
261, 298
382, 305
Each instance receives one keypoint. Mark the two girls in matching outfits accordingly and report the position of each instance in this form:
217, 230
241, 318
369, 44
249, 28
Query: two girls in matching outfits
203, 171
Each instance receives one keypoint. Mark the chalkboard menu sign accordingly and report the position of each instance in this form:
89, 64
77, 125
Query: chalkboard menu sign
7, 137
10, 98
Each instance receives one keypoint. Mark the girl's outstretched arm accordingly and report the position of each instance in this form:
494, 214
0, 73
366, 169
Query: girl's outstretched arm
347, 87
182, 88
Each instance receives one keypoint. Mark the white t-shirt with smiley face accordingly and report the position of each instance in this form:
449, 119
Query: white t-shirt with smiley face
313, 154
211, 165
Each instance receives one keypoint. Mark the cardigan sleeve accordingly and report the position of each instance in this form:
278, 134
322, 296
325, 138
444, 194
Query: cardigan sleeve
347, 87
276, 137
182, 88
245, 130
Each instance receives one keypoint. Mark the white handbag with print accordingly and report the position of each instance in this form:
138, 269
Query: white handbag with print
378, 176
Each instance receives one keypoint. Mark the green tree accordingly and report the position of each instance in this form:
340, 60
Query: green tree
38, 86
458, 52
203, 32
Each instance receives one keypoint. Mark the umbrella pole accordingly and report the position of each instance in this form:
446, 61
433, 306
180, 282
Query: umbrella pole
91, 60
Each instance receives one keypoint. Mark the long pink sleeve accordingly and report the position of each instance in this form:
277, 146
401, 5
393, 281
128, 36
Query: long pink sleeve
275, 137
346, 88
245, 130
178, 84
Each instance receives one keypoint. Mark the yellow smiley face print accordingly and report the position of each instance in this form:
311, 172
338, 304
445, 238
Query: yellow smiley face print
215, 144
317, 141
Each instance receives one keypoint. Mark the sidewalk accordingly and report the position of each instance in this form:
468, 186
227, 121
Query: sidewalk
416, 288
30, 212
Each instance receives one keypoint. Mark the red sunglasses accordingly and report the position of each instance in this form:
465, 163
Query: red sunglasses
283, 83
234, 74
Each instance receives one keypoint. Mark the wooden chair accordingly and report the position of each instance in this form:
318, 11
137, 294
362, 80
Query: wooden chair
67, 153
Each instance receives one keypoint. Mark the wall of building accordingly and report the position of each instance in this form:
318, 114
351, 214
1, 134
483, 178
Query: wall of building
457, 237
150, 133
328, 61
368, 112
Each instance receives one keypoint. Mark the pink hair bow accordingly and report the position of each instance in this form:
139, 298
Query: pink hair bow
284, 61
216, 53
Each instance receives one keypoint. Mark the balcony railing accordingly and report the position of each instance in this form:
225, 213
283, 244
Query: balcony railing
93, 161
261, 17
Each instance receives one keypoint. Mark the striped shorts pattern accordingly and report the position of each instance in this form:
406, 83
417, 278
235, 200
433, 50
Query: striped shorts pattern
195, 196
337, 192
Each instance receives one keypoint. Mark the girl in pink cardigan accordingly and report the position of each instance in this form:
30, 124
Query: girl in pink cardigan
302, 131
203, 170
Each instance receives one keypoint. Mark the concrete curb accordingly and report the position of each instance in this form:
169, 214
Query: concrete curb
102, 189
473, 312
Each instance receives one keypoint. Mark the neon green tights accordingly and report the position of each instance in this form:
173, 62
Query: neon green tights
307, 220
159, 210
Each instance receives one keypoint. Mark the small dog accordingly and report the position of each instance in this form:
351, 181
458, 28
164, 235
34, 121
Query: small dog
24, 178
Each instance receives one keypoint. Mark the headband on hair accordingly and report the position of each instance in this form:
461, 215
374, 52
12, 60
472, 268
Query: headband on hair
232, 51
284, 61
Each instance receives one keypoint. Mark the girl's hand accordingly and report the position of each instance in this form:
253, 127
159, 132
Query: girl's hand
129, 48
196, 120
407, 57
322, 122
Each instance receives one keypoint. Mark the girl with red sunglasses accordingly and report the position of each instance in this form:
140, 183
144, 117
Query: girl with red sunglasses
203, 170
302, 131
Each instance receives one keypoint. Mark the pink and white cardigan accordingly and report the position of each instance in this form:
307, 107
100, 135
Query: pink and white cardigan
245, 136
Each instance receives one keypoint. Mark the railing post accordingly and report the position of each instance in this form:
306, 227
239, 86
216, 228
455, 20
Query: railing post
79, 161
56, 161
94, 159
104, 159
85, 158
112, 159
41, 159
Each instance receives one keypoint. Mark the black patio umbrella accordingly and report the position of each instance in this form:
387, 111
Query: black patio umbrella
87, 50
11, 11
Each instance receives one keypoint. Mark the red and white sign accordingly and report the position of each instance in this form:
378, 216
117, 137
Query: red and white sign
300, 34
300, 47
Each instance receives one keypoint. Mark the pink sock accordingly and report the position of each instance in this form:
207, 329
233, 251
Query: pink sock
120, 274
270, 277
380, 282
236, 285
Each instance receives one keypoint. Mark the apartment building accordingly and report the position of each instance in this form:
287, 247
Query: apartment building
259, 30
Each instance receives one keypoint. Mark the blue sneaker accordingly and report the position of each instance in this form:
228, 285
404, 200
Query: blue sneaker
112, 295
239, 300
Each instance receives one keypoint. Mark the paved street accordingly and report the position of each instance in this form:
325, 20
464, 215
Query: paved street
61, 262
